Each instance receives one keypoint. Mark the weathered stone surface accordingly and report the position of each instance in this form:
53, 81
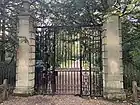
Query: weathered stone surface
115, 96
25, 58
113, 76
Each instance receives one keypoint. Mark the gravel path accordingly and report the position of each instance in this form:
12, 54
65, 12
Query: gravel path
56, 100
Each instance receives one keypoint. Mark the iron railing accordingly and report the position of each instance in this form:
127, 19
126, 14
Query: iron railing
8, 71
131, 73
71, 60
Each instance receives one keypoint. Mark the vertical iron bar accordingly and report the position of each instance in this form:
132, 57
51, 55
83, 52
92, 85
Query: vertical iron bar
74, 83
81, 93
68, 48
61, 59
101, 65
71, 48
94, 72
74, 50
62, 48
71, 81
53, 70
96, 59
66, 83
58, 60
65, 36
42, 56
90, 63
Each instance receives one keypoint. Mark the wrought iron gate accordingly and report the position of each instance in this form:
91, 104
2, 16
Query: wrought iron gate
69, 60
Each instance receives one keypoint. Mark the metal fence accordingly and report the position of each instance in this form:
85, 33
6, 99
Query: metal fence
131, 73
69, 81
71, 59
8, 71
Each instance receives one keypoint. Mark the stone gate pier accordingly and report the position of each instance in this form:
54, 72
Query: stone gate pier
112, 59
25, 70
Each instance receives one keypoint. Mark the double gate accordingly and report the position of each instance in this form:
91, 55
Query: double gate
68, 60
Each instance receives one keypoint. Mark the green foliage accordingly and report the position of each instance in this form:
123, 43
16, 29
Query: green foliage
71, 12
131, 42
131, 36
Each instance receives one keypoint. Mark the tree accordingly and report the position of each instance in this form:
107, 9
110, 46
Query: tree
131, 43
8, 29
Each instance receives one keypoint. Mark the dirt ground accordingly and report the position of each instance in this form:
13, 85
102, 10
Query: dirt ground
58, 100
